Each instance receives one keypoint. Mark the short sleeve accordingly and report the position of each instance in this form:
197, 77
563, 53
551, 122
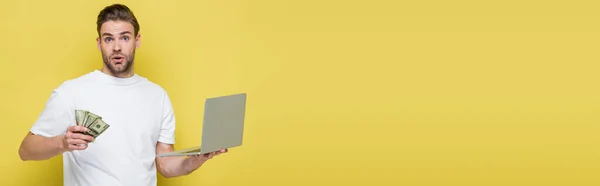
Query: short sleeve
167, 125
56, 117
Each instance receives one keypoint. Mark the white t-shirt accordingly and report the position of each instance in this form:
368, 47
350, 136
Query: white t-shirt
139, 113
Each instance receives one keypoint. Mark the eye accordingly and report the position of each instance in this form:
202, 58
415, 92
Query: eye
107, 39
125, 38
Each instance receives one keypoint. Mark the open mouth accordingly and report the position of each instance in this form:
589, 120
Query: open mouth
118, 59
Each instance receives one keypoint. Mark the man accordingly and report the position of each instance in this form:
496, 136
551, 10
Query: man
139, 112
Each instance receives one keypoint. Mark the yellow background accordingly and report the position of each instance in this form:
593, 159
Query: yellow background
339, 92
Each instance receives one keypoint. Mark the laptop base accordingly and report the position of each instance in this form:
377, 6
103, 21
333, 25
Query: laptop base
183, 152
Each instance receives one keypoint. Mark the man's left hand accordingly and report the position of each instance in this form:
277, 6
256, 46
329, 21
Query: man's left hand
196, 161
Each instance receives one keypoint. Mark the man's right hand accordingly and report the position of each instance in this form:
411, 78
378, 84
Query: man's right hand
75, 139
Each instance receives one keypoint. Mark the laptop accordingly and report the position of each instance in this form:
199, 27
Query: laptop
223, 125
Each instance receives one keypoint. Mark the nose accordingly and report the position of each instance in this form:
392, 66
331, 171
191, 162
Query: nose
117, 46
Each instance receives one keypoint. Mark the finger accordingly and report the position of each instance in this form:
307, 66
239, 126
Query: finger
77, 129
71, 135
78, 146
221, 151
76, 141
81, 136
197, 156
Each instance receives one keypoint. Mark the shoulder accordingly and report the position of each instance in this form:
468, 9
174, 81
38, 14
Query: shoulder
156, 92
73, 84
152, 87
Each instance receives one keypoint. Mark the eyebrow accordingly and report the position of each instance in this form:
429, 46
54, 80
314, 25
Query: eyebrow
122, 33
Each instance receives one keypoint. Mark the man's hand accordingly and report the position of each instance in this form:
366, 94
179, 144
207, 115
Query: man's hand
75, 139
178, 166
195, 161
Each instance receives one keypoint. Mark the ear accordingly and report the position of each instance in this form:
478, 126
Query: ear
98, 43
137, 40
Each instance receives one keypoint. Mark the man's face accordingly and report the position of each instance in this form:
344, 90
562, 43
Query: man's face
117, 44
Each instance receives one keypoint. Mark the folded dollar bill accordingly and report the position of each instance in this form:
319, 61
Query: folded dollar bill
93, 122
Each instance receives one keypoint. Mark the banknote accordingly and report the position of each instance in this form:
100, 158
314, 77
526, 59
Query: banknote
93, 122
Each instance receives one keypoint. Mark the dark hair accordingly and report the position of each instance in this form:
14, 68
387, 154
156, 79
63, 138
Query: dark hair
117, 12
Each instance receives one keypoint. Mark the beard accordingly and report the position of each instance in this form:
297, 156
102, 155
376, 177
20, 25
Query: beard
119, 69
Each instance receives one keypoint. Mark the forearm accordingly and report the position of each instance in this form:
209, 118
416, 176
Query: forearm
175, 166
35, 147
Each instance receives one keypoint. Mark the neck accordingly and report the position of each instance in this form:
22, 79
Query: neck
126, 74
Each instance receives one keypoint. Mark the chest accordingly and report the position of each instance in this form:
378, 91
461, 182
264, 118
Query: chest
134, 115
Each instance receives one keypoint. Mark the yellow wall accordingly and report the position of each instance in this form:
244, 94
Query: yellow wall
340, 92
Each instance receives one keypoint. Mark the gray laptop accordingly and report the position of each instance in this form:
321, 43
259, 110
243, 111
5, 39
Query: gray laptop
223, 125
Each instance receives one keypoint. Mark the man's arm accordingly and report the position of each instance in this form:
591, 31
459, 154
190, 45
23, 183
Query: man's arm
36, 147
178, 166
